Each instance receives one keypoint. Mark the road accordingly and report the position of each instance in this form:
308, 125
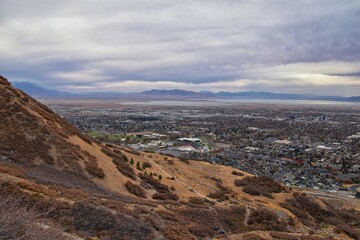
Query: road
319, 194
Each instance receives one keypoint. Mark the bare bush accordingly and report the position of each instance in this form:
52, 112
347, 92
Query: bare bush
132, 151
222, 193
135, 189
146, 165
262, 185
92, 167
149, 182
124, 168
166, 196
237, 173
184, 160
215, 179
18, 221
197, 200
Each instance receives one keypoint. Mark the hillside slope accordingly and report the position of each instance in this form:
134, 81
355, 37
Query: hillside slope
91, 189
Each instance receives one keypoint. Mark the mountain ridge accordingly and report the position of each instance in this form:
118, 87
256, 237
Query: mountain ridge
40, 92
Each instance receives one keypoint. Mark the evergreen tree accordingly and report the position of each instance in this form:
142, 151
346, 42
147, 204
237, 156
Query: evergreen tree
138, 166
132, 161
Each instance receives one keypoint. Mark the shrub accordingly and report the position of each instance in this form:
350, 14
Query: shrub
135, 189
231, 219
86, 138
184, 160
262, 185
138, 166
124, 168
237, 173
222, 193
218, 180
146, 165
224, 189
132, 151
219, 195
94, 170
266, 219
166, 196
92, 219
17, 221
163, 191
106, 224
92, 167
197, 200
309, 212
114, 154
148, 181
343, 227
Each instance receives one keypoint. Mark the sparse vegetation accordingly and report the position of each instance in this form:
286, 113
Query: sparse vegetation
17, 221
163, 191
166, 196
222, 194
196, 200
184, 160
262, 185
124, 168
218, 180
138, 166
135, 189
310, 213
146, 165
237, 173
132, 151
92, 167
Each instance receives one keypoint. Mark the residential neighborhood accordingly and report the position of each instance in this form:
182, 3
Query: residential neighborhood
316, 148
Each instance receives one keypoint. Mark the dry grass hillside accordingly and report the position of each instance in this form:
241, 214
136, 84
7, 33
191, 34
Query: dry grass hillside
91, 189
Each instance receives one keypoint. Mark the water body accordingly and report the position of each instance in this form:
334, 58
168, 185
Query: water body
229, 102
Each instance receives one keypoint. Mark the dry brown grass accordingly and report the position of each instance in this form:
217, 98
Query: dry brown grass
17, 221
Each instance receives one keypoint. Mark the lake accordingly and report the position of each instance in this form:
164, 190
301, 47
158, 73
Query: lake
229, 102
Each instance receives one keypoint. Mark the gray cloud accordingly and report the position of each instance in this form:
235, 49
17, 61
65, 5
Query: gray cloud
77, 45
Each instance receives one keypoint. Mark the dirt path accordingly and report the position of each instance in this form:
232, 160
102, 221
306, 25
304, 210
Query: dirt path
247, 215
167, 174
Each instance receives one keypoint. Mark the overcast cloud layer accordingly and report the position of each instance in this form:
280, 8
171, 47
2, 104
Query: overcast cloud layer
307, 46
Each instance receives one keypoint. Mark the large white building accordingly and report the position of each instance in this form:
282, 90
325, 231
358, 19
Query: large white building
192, 140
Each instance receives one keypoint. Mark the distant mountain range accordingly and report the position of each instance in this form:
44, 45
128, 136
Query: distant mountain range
39, 92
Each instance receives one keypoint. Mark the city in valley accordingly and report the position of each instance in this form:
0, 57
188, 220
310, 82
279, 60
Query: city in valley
304, 146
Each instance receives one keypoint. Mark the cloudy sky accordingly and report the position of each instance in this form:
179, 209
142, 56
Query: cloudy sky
304, 46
